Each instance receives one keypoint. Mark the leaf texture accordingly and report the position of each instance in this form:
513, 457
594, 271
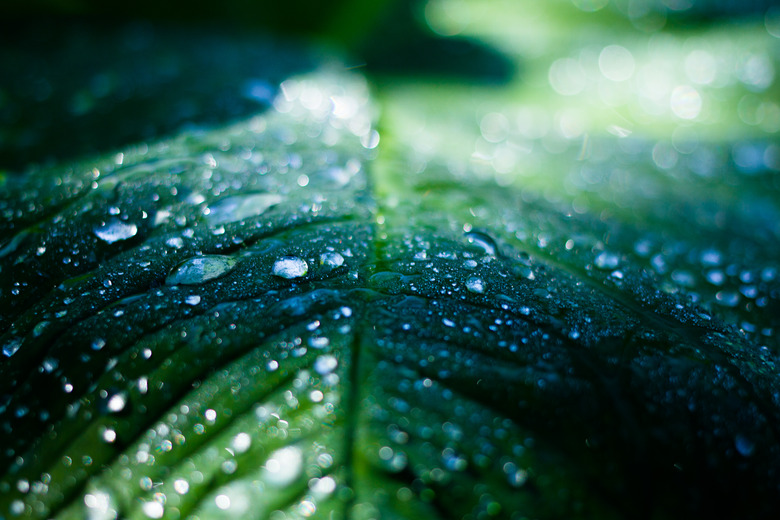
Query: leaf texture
284, 318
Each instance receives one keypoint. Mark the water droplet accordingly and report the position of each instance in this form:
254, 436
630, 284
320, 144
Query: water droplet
115, 230
606, 261
325, 365
715, 277
241, 442
192, 299
744, 446
283, 466
114, 403
40, 328
50, 365
290, 267
181, 486
483, 241
727, 298
200, 269
241, 207
153, 509
175, 242
331, 260
109, 435
10, 348
222, 502
475, 285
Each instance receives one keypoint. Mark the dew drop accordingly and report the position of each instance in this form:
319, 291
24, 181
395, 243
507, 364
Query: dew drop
175, 242
290, 267
153, 509
192, 299
325, 365
181, 486
331, 260
483, 241
283, 466
114, 403
200, 269
744, 446
241, 442
475, 285
11, 347
115, 230
606, 261
241, 207
727, 298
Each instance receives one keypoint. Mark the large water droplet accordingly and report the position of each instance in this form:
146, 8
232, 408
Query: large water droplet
115, 230
483, 241
241, 207
200, 269
290, 267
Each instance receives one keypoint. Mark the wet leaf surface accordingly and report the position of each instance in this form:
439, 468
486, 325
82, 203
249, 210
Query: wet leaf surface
285, 317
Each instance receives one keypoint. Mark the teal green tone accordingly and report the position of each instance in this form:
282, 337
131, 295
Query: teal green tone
542, 286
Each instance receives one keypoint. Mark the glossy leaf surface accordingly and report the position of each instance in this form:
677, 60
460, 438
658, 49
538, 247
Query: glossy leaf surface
286, 316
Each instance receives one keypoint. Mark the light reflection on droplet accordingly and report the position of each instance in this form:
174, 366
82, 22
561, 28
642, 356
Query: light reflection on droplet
283, 466
181, 486
241, 442
222, 502
153, 509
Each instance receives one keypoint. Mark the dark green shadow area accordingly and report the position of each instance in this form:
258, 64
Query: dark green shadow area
403, 45
74, 87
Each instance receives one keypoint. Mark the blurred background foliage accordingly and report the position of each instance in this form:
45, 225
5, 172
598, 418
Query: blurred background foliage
701, 68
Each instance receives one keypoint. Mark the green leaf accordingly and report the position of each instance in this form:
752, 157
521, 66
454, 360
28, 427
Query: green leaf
285, 317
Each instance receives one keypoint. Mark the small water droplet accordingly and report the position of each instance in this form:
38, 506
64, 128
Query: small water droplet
715, 277
475, 285
11, 347
40, 328
241, 442
50, 365
181, 486
114, 402
727, 298
192, 299
325, 365
175, 242
744, 446
200, 269
606, 261
331, 260
290, 267
115, 230
153, 509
